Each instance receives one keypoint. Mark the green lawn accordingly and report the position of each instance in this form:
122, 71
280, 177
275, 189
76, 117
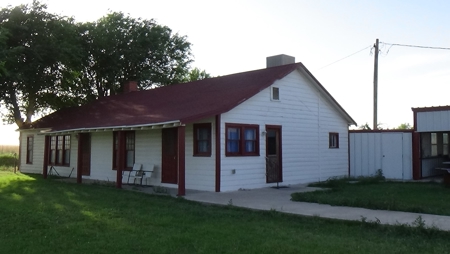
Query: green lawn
48, 216
420, 197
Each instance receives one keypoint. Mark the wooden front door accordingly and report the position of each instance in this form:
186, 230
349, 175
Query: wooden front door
85, 140
169, 155
273, 154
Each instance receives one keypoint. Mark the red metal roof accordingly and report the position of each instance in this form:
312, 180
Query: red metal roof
185, 102
427, 109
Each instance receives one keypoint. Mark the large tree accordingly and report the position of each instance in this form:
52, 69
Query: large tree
119, 48
39, 54
48, 62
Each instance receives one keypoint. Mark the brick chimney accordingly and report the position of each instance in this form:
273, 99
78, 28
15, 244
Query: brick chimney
130, 86
278, 60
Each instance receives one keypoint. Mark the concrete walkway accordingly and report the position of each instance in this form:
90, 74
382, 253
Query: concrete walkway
279, 200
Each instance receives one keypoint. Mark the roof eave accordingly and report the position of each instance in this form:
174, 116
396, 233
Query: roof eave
344, 113
160, 125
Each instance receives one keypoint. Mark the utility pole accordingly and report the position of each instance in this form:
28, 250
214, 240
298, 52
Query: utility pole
375, 88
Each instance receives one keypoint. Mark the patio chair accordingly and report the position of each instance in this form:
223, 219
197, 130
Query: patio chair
136, 173
148, 174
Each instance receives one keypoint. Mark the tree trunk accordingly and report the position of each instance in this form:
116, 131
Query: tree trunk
16, 110
31, 108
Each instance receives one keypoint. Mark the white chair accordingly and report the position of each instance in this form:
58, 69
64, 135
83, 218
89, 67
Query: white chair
148, 174
136, 173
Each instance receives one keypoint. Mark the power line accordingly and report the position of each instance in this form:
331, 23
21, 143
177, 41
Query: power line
345, 57
414, 46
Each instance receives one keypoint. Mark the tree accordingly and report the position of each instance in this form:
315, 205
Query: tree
404, 126
364, 127
196, 74
2, 51
119, 48
48, 62
40, 52
367, 127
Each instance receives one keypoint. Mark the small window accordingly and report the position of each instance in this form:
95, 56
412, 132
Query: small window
128, 147
52, 150
67, 150
202, 139
242, 140
30, 141
434, 146
333, 140
275, 93
445, 143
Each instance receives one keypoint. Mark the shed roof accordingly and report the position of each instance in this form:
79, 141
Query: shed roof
428, 109
179, 103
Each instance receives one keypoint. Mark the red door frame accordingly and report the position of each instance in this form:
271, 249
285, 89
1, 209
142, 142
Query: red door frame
169, 155
280, 148
45, 166
83, 139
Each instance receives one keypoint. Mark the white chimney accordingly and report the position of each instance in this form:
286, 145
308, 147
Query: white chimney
278, 60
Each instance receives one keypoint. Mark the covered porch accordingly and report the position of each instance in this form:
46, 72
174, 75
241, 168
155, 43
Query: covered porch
109, 154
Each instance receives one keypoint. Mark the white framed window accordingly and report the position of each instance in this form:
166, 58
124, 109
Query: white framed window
275, 94
333, 140
445, 143
434, 144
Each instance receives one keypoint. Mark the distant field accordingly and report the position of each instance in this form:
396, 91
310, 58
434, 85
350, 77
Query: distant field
9, 149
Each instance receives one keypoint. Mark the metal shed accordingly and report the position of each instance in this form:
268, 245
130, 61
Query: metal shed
388, 150
431, 135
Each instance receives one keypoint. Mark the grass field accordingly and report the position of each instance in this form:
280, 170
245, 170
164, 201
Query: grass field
9, 149
420, 197
49, 216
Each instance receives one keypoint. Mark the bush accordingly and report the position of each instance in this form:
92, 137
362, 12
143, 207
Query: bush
8, 160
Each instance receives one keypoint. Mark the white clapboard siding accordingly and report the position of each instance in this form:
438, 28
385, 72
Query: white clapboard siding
148, 153
200, 171
306, 118
433, 121
101, 157
38, 152
38, 156
389, 151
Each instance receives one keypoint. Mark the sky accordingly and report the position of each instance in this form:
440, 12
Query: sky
236, 36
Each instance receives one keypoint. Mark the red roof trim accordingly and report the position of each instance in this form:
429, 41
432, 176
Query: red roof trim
379, 131
429, 109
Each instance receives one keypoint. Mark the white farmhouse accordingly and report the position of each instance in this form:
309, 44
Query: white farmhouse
246, 130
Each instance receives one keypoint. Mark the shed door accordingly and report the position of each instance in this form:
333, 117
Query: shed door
169, 155
273, 155
392, 152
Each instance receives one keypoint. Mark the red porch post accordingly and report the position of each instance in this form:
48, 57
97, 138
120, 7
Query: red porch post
218, 154
45, 166
120, 158
80, 158
19, 164
181, 161
417, 174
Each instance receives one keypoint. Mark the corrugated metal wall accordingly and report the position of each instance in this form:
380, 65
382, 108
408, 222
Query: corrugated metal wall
389, 151
433, 121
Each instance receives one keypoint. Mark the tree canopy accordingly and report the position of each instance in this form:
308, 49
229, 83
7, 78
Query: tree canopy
38, 56
404, 126
48, 62
118, 48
